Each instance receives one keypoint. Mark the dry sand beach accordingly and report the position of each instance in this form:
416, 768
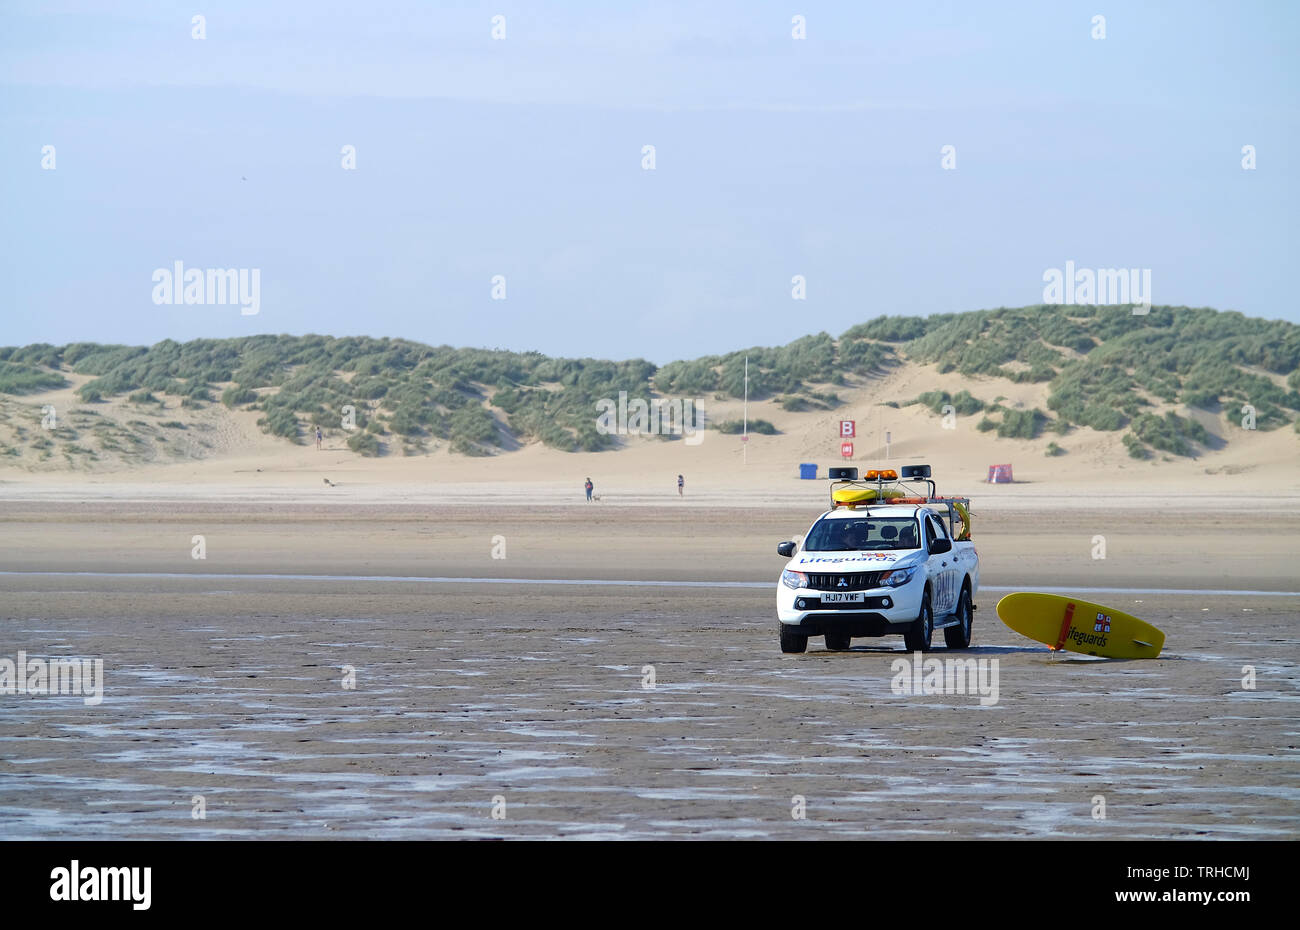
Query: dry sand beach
224, 676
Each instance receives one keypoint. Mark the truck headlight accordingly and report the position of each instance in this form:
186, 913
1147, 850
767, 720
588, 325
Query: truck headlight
898, 577
794, 579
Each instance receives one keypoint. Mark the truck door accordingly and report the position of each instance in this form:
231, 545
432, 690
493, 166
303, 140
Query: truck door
941, 568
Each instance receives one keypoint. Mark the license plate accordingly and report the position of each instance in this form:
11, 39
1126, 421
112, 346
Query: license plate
844, 598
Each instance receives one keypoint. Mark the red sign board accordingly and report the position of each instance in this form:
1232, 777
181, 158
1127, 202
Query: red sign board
848, 429
846, 449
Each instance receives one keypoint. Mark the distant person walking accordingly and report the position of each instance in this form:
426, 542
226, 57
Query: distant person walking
318, 438
681, 485
589, 487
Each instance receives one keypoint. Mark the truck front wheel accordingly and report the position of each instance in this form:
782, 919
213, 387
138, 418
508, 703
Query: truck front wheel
838, 641
792, 641
917, 639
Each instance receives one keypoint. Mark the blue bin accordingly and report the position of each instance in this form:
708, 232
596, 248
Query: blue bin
807, 471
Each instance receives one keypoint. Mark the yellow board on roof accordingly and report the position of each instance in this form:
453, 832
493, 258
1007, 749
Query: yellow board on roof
864, 495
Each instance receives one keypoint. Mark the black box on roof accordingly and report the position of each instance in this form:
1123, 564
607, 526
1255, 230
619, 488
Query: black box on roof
842, 474
914, 471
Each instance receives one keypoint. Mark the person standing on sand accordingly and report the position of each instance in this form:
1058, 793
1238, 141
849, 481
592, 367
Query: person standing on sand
588, 487
681, 484
318, 438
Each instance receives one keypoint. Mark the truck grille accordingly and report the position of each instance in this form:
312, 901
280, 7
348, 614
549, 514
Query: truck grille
852, 581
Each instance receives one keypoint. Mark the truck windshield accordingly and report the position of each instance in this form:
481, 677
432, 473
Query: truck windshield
850, 534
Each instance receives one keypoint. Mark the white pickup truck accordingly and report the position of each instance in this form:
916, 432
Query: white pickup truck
885, 559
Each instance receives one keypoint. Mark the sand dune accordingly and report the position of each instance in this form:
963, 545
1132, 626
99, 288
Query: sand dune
223, 454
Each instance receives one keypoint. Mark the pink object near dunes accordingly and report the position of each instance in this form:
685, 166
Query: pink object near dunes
1000, 474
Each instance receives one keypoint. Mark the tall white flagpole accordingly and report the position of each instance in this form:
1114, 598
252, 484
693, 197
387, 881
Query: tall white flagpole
745, 440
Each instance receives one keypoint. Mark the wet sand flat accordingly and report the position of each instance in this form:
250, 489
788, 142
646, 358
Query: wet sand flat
538, 698
535, 697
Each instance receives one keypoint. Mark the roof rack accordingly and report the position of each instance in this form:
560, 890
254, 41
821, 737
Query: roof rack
886, 486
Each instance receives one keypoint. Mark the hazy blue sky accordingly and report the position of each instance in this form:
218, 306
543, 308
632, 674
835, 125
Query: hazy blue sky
522, 157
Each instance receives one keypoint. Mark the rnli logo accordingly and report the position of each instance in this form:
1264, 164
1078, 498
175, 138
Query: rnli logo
1102, 625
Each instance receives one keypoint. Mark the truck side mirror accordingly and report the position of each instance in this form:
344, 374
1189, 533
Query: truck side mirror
786, 549
940, 546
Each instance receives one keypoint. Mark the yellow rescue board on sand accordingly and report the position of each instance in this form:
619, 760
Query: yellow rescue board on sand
864, 495
1080, 626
